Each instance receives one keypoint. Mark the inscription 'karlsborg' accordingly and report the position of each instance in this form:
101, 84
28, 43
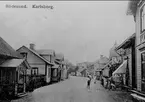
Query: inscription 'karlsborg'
32, 6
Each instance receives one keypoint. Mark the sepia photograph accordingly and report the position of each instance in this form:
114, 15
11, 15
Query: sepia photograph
72, 51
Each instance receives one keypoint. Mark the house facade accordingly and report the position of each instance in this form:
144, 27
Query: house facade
100, 64
13, 68
59, 59
82, 69
40, 66
112, 65
128, 54
137, 9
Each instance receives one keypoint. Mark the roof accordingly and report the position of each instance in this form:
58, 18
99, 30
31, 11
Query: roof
45, 52
12, 63
125, 42
96, 66
132, 7
65, 61
34, 52
59, 56
81, 69
113, 52
103, 60
55, 66
106, 65
7, 50
99, 64
121, 69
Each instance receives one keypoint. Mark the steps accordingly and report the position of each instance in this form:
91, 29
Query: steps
22, 94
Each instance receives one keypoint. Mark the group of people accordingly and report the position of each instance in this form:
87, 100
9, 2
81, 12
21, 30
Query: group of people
110, 83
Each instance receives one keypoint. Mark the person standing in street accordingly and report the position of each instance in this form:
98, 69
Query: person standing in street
89, 82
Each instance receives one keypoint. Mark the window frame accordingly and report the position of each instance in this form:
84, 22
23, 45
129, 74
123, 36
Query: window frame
142, 10
34, 68
143, 72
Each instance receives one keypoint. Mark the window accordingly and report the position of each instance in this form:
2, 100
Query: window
50, 58
34, 71
55, 72
142, 14
143, 70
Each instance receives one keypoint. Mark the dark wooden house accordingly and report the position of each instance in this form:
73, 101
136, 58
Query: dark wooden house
13, 69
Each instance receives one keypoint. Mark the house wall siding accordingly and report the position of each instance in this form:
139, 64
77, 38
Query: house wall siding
130, 69
34, 61
138, 52
48, 73
138, 66
47, 57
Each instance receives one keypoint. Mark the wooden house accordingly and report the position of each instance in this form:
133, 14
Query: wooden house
55, 73
13, 76
136, 8
100, 64
13, 68
59, 59
41, 67
82, 69
128, 55
49, 55
114, 61
65, 69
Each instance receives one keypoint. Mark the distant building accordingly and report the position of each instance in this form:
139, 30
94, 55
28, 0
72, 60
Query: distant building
100, 64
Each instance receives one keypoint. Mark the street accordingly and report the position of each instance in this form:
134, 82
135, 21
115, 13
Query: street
71, 90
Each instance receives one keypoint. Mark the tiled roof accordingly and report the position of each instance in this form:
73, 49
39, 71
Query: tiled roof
7, 50
45, 52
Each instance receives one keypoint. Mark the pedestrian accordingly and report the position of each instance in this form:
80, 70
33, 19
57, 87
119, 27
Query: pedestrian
88, 82
95, 79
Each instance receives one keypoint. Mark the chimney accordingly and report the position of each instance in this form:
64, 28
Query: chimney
32, 46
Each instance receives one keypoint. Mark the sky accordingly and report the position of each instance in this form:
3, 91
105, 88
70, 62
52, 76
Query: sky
81, 30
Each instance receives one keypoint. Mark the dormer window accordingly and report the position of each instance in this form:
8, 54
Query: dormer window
142, 14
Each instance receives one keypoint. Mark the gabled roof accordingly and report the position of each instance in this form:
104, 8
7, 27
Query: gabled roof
45, 52
7, 50
35, 53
